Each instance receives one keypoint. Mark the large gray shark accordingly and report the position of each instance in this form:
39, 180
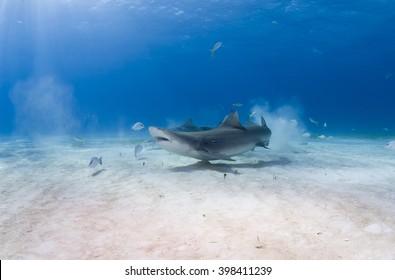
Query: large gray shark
223, 142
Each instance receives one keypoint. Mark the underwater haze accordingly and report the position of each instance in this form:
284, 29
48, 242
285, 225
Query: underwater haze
83, 84
98, 66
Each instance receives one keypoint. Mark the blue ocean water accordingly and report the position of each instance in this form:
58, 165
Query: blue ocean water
98, 66
76, 75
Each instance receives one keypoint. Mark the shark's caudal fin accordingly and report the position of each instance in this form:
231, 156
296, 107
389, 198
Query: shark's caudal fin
263, 122
232, 120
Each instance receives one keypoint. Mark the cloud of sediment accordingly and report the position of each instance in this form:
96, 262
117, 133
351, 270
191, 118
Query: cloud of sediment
43, 105
283, 121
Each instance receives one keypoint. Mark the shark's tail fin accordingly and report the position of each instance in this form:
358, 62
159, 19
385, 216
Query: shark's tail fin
212, 52
100, 161
264, 125
263, 122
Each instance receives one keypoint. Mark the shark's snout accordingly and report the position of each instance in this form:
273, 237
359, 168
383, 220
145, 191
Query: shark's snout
158, 134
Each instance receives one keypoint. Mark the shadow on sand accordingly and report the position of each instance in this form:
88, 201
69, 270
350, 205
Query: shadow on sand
98, 172
230, 167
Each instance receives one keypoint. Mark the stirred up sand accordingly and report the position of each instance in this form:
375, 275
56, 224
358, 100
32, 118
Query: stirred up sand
320, 199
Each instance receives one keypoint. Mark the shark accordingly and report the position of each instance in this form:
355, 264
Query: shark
229, 139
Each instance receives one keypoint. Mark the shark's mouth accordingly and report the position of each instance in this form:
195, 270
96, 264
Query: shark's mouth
161, 139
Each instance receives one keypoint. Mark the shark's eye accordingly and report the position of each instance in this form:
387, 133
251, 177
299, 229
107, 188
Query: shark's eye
160, 138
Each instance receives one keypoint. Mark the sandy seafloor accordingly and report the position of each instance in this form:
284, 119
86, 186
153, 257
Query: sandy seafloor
317, 199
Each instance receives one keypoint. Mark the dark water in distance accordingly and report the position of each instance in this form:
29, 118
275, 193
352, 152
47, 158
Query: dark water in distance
100, 66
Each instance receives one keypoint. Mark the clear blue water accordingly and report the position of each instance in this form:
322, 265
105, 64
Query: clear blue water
75, 67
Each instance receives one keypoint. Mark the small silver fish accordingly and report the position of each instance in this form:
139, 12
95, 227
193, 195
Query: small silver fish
215, 47
390, 145
137, 150
95, 161
138, 126
79, 139
294, 122
313, 121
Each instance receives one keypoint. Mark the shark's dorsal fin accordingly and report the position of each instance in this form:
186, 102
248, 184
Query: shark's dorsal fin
189, 124
232, 120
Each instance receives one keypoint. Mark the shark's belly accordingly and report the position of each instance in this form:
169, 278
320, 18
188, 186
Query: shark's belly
234, 149
214, 154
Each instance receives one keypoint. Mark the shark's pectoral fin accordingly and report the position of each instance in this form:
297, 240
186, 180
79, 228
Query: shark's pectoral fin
214, 156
